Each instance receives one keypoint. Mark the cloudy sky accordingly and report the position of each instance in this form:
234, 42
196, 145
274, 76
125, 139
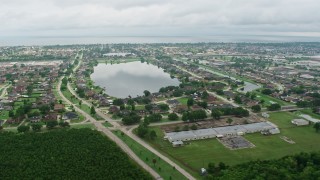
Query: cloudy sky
159, 17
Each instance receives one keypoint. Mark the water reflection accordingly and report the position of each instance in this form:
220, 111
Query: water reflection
122, 80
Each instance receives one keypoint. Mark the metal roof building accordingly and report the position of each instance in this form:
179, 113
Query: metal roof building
221, 131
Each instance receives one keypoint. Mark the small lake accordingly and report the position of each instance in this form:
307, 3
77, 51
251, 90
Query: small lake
122, 80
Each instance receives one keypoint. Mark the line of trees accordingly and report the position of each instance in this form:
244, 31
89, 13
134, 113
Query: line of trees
238, 111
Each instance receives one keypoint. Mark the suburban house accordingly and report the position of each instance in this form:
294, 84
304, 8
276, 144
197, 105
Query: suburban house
58, 107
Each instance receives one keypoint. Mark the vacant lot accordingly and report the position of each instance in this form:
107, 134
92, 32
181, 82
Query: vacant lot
198, 154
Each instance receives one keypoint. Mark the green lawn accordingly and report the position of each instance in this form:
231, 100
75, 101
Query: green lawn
140, 107
78, 120
183, 100
4, 115
107, 124
166, 171
79, 126
268, 99
199, 153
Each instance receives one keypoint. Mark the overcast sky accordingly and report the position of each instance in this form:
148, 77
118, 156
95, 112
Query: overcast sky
159, 17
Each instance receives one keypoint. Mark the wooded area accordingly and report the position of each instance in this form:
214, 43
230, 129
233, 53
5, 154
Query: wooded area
64, 154
300, 166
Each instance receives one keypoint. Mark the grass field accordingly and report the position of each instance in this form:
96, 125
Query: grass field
4, 115
183, 100
80, 126
107, 124
166, 171
199, 153
268, 100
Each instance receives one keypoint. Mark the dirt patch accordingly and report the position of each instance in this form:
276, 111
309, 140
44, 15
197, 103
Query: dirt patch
235, 142
288, 140
212, 123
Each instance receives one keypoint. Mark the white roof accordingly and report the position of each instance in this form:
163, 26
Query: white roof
254, 127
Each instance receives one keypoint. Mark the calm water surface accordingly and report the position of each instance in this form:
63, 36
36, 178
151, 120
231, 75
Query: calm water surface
122, 80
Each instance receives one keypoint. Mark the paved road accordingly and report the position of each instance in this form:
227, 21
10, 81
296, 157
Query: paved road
143, 143
4, 90
113, 137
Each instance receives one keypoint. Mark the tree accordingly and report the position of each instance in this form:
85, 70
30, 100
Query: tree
173, 117
130, 119
229, 121
23, 129
267, 91
36, 127
154, 161
164, 107
64, 124
80, 103
92, 110
256, 108
211, 168
205, 95
118, 102
142, 130
222, 166
154, 117
148, 107
133, 107
146, 93
185, 116
237, 99
44, 109
194, 127
130, 102
51, 124
274, 107
317, 126
185, 128
153, 134
11, 114
216, 114
190, 102
60, 101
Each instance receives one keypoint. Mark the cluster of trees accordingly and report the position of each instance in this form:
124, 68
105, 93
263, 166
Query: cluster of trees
173, 117
153, 118
300, 166
131, 118
314, 103
26, 108
267, 91
256, 108
274, 107
64, 84
143, 130
193, 116
65, 154
238, 111
36, 127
